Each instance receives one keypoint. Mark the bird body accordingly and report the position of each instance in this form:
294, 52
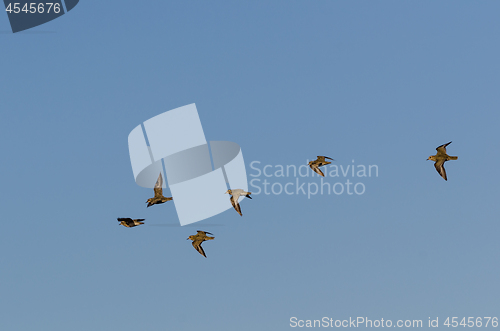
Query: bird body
130, 223
235, 194
319, 162
158, 198
440, 158
198, 239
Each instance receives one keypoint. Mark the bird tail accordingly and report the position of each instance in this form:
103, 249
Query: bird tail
453, 157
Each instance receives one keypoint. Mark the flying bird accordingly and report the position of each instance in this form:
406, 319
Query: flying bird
319, 162
235, 194
198, 238
440, 158
130, 223
158, 198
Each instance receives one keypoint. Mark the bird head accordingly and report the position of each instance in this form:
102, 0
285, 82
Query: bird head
432, 158
228, 192
190, 238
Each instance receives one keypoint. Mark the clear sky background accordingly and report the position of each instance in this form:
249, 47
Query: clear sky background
378, 82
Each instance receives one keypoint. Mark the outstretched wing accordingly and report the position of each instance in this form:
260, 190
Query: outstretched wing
439, 165
204, 232
128, 222
236, 205
158, 186
317, 170
197, 246
441, 150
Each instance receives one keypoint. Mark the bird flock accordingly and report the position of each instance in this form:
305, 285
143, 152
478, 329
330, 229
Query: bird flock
439, 159
201, 236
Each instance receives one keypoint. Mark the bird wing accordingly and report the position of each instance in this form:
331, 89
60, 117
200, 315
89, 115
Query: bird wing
439, 165
317, 170
158, 192
236, 205
158, 186
204, 232
442, 149
197, 246
128, 221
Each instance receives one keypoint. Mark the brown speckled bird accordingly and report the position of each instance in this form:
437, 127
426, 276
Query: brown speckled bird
158, 198
235, 194
440, 158
319, 162
198, 238
130, 223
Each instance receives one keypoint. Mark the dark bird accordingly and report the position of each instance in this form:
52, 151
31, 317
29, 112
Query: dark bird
440, 158
198, 238
319, 162
235, 194
158, 198
130, 223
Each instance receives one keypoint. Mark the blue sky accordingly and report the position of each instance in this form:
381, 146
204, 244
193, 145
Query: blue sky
378, 82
